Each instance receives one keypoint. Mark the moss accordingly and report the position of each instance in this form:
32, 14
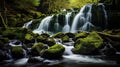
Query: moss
70, 35
89, 44
17, 52
29, 37
41, 39
50, 41
36, 49
58, 35
80, 35
65, 39
46, 35
54, 52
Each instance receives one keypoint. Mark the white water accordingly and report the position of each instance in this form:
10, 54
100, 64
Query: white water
26, 25
43, 27
82, 20
66, 27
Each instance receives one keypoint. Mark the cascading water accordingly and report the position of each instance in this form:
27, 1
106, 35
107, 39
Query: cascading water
43, 27
27, 25
82, 20
87, 19
66, 28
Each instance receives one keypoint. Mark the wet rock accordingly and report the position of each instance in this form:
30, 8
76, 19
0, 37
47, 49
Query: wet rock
58, 35
17, 52
88, 45
37, 48
65, 39
4, 55
35, 60
54, 52
70, 35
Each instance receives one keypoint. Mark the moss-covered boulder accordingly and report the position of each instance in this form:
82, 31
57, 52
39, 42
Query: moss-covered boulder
37, 48
80, 34
88, 45
17, 52
70, 35
65, 39
50, 41
58, 35
54, 52
29, 38
41, 39
46, 35
109, 51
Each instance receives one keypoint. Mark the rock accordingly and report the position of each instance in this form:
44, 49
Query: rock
46, 35
41, 39
50, 41
17, 52
37, 48
109, 51
4, 56
80, 34
35, 60
54, 52
70, 35
88, 45
65, 39
58, 35
29, 39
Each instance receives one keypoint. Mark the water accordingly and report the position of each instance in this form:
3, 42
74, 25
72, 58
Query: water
27, 25
66, 27
43, 25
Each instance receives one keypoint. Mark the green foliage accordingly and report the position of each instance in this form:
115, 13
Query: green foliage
80, 3
25, 4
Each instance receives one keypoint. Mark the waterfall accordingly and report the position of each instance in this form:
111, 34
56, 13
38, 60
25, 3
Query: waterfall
43, 27
82, 20
90, 17
66, 27
27, 25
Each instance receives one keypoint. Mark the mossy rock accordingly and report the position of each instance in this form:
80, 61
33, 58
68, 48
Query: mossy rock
80, 35
41, 39
65, 39
17, 52
54, 52
58, 35
35, 60
29, 39
70, 35
50, 41
46, 35
37, 48
88, 45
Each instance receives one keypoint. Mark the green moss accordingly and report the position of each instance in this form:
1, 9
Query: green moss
50, 41
41, 39
54, 52
17, 52
56, 48
46, 35
39, 46
58, 35
71, 35
29, 37
80, 35
36, 49
89, 44
65, 38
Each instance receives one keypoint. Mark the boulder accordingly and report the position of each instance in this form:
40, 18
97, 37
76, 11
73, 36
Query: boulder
17, 52
35, 60
37, 48
54, 52
88, 45
65, 39
58, 35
